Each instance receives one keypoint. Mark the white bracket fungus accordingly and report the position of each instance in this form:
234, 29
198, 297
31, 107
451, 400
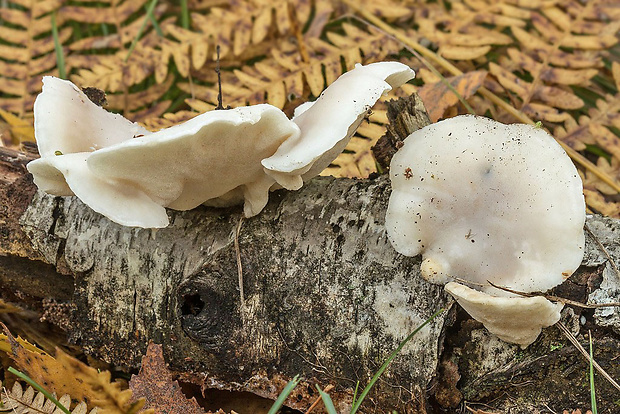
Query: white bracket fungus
483, 201
130, 175
516, 320
328, 123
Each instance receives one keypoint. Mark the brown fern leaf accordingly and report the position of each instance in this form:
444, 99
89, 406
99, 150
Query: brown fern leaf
115, 12
144, 104
285, 75
66, 375
27, 51
155, 384
116, 40
545, 96
234, 26
387, 9
19, 401
249, 22
104, 60
112, 74
594, 129
542, 53
458, 32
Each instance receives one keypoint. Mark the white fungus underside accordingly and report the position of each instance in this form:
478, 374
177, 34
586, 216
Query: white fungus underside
203, 158
129, 174
516, 320
485, 201
328, 123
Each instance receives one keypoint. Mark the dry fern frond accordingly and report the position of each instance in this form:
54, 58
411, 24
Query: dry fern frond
111, 12
144, 104
26, 51
66, 375
543, 94
538, 74
389, 10
242, 25
462, 33
104, 60
116, 35
594, 129
249, 22
20, 128
112, 74
284, 75
18, 401
6, 346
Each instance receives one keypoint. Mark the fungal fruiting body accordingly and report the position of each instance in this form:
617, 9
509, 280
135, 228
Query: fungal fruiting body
517, 320
129, 174
483, 201
328, 123
219, 158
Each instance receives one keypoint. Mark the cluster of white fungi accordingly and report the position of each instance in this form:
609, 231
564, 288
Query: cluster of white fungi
479, 200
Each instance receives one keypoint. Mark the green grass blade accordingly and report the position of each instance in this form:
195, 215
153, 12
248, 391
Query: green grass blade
357, 387
60, 57
37, 387
284, 395
592, 391
156, 25
327, 401
184, 14
149, 15
375, 378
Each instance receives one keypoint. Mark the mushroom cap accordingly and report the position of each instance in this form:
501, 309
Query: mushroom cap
481, 201
328, 123
67, 121
516, 320
129, 174
119, 201
202, 159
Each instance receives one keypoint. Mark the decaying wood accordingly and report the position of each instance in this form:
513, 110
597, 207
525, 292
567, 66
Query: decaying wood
405, 116
325, 294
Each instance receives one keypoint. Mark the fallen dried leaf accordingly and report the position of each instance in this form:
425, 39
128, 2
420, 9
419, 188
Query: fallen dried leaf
154, 383
438, 97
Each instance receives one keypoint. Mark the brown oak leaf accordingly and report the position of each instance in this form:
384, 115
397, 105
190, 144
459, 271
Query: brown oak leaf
154, 383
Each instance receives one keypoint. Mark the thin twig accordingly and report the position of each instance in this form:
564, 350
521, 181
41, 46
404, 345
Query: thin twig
239, 267
219, 80
319, 399
585, 353
557, 298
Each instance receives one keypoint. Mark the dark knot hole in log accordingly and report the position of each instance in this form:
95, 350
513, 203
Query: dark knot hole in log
192, 305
